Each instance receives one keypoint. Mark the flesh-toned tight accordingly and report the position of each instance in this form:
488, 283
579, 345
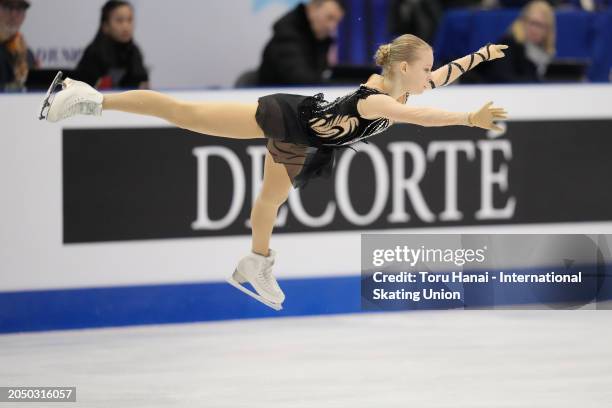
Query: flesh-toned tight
223, 119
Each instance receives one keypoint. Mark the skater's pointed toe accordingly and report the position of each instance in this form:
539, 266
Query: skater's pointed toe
278, 297
76, 98
54, 114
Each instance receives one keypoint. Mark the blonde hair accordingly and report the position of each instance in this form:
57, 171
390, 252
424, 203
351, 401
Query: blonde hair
403, 48
518, 29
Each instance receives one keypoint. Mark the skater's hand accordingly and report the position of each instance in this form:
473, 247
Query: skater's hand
493, 51
484, 117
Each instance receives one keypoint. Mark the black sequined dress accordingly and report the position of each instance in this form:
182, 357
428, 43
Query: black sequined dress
304, 132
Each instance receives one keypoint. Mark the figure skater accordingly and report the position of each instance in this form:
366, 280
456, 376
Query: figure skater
302, 132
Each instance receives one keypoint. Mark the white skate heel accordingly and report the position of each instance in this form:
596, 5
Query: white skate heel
257, 270
76, 98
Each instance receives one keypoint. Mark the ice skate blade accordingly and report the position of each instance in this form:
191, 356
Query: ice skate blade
275, 306
48, 97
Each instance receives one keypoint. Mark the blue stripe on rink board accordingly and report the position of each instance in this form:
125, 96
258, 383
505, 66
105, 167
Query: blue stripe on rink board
180, 303
122, 306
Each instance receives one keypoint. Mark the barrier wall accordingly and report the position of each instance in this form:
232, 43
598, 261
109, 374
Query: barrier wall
125, 220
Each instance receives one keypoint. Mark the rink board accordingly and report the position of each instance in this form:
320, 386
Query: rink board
49, 282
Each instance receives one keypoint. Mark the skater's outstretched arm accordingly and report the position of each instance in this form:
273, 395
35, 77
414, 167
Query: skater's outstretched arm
448, 73
387, 107
226, 119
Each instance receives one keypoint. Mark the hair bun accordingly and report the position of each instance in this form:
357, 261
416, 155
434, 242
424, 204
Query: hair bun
383, 55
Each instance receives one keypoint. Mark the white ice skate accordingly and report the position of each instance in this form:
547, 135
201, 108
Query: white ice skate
75, 98
257, 270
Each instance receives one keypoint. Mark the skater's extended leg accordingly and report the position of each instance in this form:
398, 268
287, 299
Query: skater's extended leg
226, 119
274, 192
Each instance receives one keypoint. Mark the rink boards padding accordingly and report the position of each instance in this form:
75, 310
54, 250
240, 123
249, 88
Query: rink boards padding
162, 304
96, 227
161, 183
134, 305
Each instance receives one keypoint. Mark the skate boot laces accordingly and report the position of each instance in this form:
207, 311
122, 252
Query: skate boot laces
80, 105
266, 276
81, 102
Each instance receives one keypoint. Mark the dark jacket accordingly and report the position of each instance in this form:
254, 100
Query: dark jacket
120, 65
294, 55
514, 67
7, 73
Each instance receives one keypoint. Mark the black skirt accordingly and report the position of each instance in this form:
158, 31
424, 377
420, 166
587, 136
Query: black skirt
283, 119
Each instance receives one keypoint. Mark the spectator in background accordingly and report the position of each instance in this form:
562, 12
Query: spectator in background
417, 17
16, 59
593, 5
588, 5
531, 41
421, 17
113, 60
298, 52
511, 3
